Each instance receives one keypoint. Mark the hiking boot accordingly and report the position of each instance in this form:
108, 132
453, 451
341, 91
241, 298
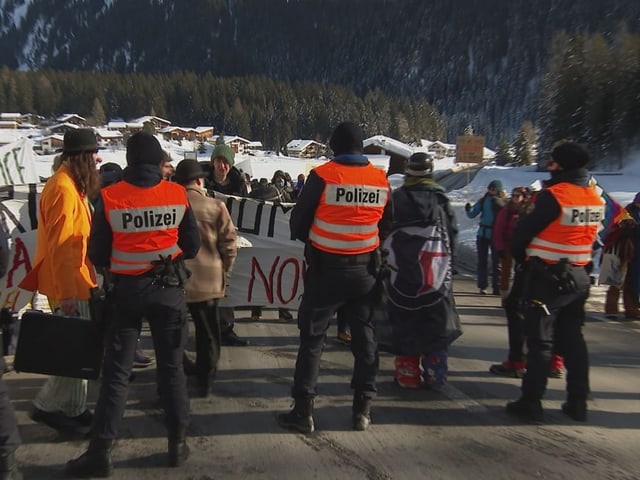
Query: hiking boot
231, 339
140, 360
95, 462
284, 315
344, 338
407, 371
361, 412
300, 418
557, 366
80, 425
529, 411
178, 450
508, 369
575, 408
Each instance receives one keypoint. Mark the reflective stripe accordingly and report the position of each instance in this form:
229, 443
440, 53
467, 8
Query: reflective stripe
561, 246
575, 258
341, 228
128, 267
121, 256
322, 241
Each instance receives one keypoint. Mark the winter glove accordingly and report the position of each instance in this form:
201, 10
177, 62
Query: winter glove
467, 207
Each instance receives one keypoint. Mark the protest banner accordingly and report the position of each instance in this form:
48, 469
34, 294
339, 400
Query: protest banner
268, 271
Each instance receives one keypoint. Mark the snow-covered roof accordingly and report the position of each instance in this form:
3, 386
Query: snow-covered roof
68, 116
106, 133
300, 144
10, 116
389, 144
149, 118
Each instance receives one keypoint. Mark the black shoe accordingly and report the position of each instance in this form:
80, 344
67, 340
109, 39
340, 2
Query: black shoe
231, 339
300, 418
178, 451
189, 366
95, 462
529, 411
576, 409
80, 425
496, 292
506, 369
555, 373
361, 412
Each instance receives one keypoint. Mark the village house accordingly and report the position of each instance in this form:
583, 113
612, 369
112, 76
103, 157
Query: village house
158, 123
51, 143
305, 148
125, 128
10, 120
237, 144
72, 118
108, 137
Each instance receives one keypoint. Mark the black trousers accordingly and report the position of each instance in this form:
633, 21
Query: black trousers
559, 332
515, 319
9, 436
207, 325
327, 289
166, 312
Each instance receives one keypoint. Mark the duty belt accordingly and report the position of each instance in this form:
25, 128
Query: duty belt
335, 259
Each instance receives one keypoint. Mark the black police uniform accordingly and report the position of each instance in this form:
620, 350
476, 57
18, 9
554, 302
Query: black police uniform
162, 303
553, 317
343, 284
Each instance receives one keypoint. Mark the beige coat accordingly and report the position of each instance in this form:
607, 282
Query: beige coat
218, 249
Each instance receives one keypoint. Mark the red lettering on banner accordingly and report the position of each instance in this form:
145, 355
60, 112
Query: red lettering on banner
294, 286
268, 283
20, 258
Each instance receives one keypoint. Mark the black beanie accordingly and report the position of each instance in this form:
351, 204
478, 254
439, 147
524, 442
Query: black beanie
346, 138
570, 156
144, 148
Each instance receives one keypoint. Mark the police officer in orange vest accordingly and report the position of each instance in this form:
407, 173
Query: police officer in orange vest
337, 216
143, 228
554, 245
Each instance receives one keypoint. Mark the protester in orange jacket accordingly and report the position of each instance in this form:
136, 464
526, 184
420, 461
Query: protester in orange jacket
61, 269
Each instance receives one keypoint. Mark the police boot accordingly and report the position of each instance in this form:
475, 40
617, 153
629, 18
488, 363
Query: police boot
95, 462
575, 407
8, 467
300, 418
178, 450
361, 411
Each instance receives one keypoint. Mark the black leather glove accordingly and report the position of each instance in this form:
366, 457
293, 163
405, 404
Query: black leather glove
467, 207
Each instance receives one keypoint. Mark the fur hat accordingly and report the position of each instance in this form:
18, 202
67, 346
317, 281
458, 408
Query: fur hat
225, 152
346, 138
570, 156
79, 140
419, 165
144, 148
188, 170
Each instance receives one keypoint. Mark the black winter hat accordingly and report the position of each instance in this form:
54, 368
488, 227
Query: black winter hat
346, 138
419, 165
144, 148
570, 156
79, 140
188, 170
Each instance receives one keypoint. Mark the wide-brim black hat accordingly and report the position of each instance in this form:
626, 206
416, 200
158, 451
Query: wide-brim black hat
80, 140
188, 170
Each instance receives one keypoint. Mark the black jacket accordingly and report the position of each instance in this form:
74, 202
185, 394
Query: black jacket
236, 186
101, 237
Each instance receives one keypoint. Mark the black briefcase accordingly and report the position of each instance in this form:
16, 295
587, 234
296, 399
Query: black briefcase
59, 345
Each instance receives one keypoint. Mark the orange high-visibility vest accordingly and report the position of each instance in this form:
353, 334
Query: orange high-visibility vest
572, 234
144, 222
351, 205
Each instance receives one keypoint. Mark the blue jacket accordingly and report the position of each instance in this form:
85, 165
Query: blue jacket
487, 207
